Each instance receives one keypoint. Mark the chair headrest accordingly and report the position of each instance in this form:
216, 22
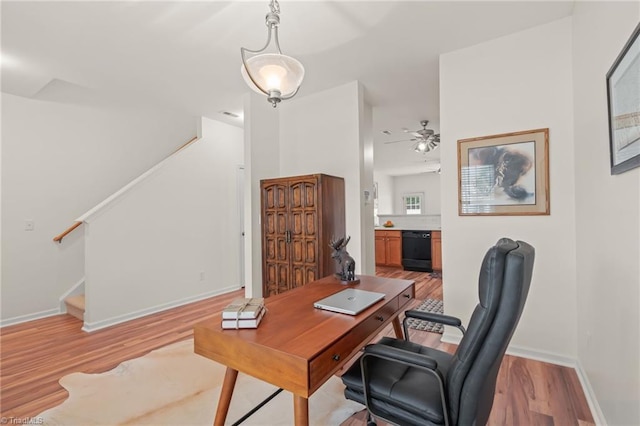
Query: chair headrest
492, 264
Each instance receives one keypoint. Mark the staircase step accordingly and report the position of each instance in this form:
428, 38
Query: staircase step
75, 306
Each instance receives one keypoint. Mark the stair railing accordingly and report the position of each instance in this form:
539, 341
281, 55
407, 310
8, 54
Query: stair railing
58, 238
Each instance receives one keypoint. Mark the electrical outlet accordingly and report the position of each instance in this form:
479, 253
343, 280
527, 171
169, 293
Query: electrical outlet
29, 225
201, 275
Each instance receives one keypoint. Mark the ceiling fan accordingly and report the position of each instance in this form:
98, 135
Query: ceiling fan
425, 139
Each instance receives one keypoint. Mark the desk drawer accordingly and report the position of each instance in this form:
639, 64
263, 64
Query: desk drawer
337, 354
406, 297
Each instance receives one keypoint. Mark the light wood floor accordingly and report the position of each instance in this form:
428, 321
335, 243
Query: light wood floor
36, 354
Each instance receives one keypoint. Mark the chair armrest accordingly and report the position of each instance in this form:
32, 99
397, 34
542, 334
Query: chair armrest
430, 316
434, 317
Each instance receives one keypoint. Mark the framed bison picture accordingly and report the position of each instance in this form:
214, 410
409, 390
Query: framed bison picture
505, 174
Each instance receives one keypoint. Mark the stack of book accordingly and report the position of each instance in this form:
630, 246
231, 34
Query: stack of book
243, 313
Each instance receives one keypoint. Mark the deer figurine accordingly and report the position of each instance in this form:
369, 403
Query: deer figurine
346, 262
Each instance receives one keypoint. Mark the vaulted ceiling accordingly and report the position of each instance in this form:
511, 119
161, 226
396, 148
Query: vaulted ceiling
186, 54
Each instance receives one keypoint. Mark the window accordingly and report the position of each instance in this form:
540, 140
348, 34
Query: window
412, 203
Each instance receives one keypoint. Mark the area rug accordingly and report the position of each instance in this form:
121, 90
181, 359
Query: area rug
429, 305
174, 386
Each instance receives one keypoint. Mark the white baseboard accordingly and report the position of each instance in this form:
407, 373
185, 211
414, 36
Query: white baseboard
93, 326
552, 358
522, 351
29, 317
596, 411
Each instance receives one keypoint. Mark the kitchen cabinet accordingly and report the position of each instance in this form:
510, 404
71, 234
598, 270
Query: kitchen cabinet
389, 248
300, 216
436, 250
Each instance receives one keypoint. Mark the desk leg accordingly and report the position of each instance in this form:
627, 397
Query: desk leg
397, 327
300, 410
225, 396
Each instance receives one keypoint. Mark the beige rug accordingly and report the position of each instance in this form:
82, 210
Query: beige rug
174, 386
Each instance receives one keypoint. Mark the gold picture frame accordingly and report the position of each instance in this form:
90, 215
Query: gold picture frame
505, 174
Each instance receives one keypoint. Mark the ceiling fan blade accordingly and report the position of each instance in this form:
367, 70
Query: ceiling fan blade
403, 140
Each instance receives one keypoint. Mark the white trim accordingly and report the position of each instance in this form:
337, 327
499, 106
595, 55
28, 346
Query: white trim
73, 291
128, 186
552, 358
90, 327
589, 394
29, 317
453, 338
543, 356
523, 352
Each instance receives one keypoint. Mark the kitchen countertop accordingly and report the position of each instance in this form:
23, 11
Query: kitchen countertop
413, 222
400, 228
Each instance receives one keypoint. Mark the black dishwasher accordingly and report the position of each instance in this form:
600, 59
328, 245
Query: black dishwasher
416, 251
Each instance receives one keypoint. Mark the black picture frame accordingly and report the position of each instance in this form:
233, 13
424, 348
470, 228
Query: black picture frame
623, 101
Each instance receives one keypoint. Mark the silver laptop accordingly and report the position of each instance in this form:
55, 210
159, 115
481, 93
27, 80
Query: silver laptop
349, 301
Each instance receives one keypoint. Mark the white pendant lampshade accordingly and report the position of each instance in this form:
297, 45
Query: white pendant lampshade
273, 71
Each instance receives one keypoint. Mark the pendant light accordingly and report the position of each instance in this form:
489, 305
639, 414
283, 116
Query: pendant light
275, 75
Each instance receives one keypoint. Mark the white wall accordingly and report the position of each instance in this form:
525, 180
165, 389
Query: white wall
426, 183
262, 161
321, 133
171, 239
607, 220
519, 82
365, 139
385, 193
58, 161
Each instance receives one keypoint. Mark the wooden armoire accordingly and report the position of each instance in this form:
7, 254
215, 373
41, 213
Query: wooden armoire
300, 216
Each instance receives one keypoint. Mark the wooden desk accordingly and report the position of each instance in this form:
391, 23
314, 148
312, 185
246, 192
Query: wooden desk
297, 347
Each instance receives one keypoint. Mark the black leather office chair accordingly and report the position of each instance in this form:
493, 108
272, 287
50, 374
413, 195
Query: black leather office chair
408, 384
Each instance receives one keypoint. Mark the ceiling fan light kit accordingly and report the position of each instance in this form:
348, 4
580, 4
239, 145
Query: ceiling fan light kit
275, 75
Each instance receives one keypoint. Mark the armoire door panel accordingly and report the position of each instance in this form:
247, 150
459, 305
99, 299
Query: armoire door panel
310, 251
298, 276
296, 223
283, 277
282, 223
297, 251
282, 254
311, 223
270, 279
269, 197
270, 273
270, 249
310, 195
269, 223
281, 197
311, 274
296, 196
